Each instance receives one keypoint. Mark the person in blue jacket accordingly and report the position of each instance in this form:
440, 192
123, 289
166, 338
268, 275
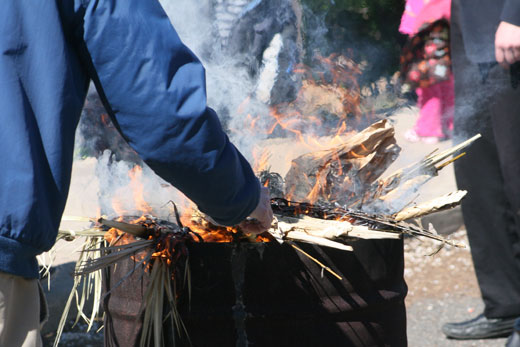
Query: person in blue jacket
153, 88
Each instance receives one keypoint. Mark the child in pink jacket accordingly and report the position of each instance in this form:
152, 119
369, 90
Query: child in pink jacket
435, 99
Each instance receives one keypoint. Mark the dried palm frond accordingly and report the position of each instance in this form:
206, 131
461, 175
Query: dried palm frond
158, 292
163, 255
83, 288
340, 222
415, 175
435, 205
70, 235
46, 261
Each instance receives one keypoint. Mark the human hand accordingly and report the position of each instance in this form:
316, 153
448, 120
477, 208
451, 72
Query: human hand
507, 44
261, 218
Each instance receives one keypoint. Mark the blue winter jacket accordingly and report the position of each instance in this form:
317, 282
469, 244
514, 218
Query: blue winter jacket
153, 88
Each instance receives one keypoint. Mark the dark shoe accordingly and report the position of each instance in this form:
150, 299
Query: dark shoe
514, 339
479, 328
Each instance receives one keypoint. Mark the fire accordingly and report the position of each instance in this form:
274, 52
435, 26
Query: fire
168, 242
138, 189
130, 198
115, 236
329, 91
218, 234
209, 232
327, 109
328, 104
260, 159
317, 190
336, 157
117, 206
329, 98
105, 119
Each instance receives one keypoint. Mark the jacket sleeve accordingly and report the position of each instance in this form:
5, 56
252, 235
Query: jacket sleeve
511, 12
154, 89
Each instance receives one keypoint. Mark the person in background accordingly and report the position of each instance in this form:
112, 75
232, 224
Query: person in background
426, 67
153, 88
485, 41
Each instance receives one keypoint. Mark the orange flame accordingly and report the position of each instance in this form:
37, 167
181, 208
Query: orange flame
117, 206
260, 159
317, 189
329, 96
138, 189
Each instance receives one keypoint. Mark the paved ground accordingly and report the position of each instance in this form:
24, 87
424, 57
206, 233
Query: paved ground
442, 288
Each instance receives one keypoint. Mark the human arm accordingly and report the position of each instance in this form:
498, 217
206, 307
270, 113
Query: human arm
154, 90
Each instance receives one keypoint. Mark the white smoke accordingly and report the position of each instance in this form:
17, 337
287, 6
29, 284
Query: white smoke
117, 193
269, 71
204, 27
231, 92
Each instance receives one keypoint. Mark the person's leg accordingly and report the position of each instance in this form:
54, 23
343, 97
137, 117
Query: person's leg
19, 311
487, 217
430, 102
448, 107
505, 107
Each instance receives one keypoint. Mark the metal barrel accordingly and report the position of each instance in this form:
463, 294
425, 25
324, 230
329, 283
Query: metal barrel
266, 294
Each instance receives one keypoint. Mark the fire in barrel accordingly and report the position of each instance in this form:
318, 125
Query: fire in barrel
328, 272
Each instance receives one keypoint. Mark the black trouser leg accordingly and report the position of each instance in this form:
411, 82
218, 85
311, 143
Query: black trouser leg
491, 173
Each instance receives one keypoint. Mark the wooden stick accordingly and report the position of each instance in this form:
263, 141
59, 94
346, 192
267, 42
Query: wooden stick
77, 219
320, 241
450, 151
441, 166
70, 235
323, 266
133, 229
329, 229
438, 204
426, 166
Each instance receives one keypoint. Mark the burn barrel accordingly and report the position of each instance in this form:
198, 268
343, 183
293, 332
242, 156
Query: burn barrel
266, 294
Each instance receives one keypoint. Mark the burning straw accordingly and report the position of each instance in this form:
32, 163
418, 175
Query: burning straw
160, 248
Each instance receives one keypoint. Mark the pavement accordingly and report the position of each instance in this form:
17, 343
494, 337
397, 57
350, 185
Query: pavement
442, 288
